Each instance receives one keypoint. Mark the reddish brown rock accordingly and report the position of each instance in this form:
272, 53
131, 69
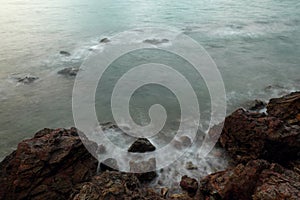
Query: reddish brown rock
286, 108
189, 184
256, 180
114, 186
247, 136
46, 166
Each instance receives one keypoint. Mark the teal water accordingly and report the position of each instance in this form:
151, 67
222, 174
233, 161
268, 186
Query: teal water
255, 44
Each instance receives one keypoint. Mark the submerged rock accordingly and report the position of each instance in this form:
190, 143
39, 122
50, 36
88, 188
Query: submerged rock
65, 53
47, 166
69, 71
247, 136
257, 179
104, 40
114, 185
27, 79
156, 41
141, 145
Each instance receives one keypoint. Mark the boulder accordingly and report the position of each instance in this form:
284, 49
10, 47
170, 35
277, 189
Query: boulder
114, 185
141, 145
69, 71
258, 179
286, 108
47, 166
189, 184
247, 136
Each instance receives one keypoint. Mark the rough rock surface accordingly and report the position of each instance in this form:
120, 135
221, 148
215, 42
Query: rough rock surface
286, 108
141, 145
258, 179
247, 136
109, 164
189, 184
114, 186
46, 166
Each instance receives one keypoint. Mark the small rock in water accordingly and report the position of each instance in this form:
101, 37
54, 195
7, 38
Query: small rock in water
141, 145
65, 53
144, 170
109, 164
189, 184
27, 79
69, 71
257, 105
156, 41
190, 166
104, 40
101, 149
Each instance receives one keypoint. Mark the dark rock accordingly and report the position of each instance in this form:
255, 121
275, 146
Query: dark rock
27, 79
247, 136
257, 179
113, 186
256, 105
104, 40
109, 126
156, 41
141, 145
145, 171
190, 166
47, 166
286, 108
109, 164
189, 184
65, 53
69, 71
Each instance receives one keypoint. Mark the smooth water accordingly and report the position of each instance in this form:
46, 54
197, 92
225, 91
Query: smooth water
255, 44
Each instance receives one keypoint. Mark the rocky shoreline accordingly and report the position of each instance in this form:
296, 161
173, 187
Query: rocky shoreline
264, 148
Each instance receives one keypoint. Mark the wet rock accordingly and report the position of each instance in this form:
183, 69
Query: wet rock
47, 166
64, 53
189, 184
247, 136
104, 40
69, 71
182, 196
286, 108
164, 192
182, 143
156, 41
190, 166
257, 179
109, 126
145, 171
256, 105
141, 145
27, 79
114, 185
109, 164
